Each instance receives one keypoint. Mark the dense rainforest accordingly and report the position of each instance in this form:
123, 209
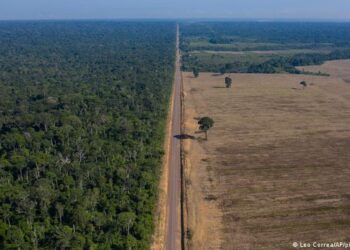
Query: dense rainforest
82, 115
300, 34
281, 46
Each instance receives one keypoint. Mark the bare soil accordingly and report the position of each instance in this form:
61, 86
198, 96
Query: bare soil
276, 166
158, 239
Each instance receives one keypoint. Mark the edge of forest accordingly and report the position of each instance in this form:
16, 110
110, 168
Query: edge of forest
158, 239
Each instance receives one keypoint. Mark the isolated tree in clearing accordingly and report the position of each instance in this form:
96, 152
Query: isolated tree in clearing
228, 82
195, 72
222, 70
304, 84
205, 123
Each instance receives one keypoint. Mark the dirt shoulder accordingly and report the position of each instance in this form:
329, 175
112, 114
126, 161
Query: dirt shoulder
158, 240
203, 214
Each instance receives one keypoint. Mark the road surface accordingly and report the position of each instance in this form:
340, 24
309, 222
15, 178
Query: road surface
173, 233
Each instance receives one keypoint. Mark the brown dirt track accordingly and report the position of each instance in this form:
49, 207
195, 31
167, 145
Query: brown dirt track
276, 167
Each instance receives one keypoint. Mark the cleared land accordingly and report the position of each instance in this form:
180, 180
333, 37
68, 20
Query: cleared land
276, 167
339, 68
264, 52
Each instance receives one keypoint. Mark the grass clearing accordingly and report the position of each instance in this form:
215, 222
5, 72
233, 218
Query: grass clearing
339, 68
276, 166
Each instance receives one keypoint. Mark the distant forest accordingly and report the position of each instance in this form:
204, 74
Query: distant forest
83, 107
322, 41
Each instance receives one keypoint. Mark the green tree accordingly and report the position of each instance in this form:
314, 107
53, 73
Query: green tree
62, 237
127, 220
222, 70
60, 211
195, 72
205, 123
228, 82
18, 162
304, 84
15, 238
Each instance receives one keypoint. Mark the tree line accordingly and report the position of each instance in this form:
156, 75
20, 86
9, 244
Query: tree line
306, 35
276, 64
248, 36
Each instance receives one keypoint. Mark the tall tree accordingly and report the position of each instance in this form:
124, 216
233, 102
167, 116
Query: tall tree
195, 72
205, 123
228, 82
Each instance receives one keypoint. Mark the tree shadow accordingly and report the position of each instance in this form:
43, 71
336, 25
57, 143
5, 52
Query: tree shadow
219, 87
297, 89
185, 137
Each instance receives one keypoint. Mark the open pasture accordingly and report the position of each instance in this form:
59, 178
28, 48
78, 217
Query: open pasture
276, 165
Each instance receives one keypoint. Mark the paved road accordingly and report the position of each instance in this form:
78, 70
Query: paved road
174, 186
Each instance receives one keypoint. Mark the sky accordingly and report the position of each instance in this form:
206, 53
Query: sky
121, 9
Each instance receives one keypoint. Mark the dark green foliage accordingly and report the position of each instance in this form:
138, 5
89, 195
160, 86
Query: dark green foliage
295, 34
288, 64
222, 70
205, 123
326, 41
195, 72
189, 234
303, 83
82, 116
276, 64
228, 82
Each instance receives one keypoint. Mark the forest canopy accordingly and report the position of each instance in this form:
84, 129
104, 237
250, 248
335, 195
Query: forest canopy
262, 47
82, 114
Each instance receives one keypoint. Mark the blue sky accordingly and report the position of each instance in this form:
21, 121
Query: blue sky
111, 9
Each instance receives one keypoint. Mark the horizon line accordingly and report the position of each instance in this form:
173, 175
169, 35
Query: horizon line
251, 19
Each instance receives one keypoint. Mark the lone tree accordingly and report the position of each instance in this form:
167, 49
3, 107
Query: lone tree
304, 84
222, 70
228, 82
205, 123
195, 72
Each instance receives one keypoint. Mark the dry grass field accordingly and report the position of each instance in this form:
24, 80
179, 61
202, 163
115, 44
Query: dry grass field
339, 68
276, 166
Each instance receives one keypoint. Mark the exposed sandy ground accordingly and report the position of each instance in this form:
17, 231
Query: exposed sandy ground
158, 240
276, 167
339, 68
